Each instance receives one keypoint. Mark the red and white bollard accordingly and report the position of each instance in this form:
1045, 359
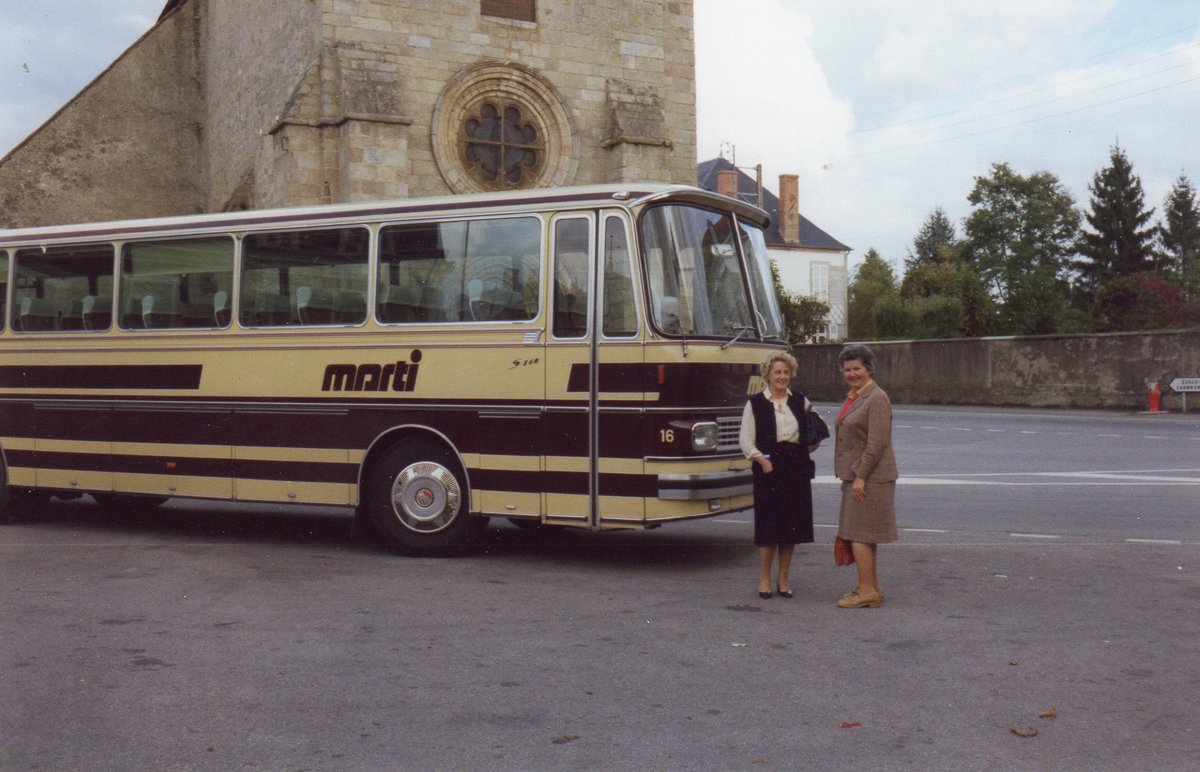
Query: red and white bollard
1153, 397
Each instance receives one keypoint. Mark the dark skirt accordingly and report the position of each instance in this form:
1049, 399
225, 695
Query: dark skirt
783, 510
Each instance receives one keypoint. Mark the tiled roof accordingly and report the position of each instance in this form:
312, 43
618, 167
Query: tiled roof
811, 237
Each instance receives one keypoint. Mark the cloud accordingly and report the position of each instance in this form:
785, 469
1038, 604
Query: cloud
765, 93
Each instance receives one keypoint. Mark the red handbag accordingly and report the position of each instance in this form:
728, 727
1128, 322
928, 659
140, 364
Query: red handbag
843, 555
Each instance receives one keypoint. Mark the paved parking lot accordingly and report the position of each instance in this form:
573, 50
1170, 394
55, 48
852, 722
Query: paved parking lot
204, 638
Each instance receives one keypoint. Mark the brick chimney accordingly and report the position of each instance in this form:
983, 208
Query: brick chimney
789, 208
727, 183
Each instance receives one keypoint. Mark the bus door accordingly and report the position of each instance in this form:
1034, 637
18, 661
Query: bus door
619, 388
593, 370
567, 428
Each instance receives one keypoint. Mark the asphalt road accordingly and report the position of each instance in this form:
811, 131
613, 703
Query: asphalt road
1049, 566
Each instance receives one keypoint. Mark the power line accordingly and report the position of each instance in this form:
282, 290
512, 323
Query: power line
1173, 33
1028, 92
1005, 127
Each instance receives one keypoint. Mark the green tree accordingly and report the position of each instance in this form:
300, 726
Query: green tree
931, 242
1179, 238
805, 317
872, 293
949, 298
1020, 237
1119, 242
1142, 301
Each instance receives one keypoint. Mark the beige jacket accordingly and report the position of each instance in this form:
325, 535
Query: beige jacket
863, 444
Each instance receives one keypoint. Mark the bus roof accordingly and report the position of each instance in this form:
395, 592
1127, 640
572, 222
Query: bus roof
626, 195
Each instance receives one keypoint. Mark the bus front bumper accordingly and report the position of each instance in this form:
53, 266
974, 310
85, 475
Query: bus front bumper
705, 486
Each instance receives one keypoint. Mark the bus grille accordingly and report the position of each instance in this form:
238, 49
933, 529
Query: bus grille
728, 430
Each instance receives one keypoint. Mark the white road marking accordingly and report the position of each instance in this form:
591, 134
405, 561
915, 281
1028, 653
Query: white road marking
1034, 536
925, 530
1154, 541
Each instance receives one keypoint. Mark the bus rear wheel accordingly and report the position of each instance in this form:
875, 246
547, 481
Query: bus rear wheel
417, 500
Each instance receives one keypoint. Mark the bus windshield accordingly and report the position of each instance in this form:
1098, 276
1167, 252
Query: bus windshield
697, 285
762, 284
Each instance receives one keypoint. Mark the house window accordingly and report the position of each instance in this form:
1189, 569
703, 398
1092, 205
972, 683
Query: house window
520, 10
820, 281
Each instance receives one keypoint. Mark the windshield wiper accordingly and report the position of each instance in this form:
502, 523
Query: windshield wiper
741, 330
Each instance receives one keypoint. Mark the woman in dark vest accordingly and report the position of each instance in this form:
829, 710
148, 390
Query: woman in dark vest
772, 437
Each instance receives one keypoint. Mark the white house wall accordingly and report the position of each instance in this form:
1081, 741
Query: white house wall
796, 274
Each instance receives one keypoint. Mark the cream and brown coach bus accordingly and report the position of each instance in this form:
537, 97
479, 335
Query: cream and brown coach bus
574, 357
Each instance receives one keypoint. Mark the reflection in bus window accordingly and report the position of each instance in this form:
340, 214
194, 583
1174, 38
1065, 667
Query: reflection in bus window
460, 271
762, 285
620, 314
174, 284
695, 276
316, 277
571, 262
50, 288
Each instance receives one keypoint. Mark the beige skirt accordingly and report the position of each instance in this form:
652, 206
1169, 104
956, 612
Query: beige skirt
872, 521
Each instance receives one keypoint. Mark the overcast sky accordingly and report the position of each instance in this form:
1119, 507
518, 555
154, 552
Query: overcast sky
885, 108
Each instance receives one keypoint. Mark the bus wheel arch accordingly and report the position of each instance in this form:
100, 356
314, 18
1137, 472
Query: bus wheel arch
416, 496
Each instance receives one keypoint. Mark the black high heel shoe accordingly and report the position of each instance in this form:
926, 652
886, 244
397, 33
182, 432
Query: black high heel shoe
764, 595
783, 593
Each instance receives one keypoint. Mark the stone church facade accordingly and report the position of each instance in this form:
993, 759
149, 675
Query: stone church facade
237, 104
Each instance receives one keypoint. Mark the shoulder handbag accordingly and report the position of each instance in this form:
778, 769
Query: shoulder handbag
815, 430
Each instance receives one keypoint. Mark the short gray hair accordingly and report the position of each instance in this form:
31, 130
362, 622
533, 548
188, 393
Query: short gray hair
861, 353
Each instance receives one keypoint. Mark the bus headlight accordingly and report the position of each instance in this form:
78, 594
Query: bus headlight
704, 436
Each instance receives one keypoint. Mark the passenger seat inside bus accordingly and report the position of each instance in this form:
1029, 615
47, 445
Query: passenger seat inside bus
349, 307
74, 318
314, 306
97, 312
159, 313
271, 310
221, 308
37, 315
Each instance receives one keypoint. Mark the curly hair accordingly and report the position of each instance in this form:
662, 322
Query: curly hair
779, 356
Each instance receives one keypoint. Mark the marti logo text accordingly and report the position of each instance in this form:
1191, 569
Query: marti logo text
394, 376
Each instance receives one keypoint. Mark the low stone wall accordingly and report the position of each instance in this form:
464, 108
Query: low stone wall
1069, 371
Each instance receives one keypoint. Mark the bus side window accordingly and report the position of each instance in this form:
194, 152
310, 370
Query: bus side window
620, 315
304, 277
170, 285
51, 285
571, 243
459, 271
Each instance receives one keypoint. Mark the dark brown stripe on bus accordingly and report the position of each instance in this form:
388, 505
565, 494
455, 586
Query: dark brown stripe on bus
183, 466
122, 377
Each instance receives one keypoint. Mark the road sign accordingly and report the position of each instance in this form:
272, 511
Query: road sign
1186, 384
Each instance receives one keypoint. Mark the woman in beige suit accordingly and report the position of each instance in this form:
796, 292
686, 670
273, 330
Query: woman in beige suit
863, 460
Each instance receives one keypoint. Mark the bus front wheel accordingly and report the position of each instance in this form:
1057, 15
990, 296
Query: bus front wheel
418, 500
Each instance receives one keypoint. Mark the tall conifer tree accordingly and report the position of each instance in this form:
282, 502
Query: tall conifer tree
1119, 242
1179, 237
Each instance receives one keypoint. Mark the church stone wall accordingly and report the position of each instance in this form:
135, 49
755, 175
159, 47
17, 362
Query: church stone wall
127, 146
233, 104
580, 48
256, 53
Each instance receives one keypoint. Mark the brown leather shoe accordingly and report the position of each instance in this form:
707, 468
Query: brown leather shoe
855, 600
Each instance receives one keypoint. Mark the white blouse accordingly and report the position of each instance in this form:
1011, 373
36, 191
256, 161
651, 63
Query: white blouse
787, 427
